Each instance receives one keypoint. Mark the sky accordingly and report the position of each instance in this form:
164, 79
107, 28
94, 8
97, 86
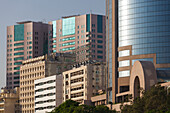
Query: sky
12, 11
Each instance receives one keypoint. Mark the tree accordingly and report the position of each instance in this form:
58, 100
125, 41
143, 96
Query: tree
66, 107
73, 107
154, 100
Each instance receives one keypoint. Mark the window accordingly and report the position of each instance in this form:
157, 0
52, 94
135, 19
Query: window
18, 58
100, 57
124, 63
20, 53
99, 41
19, 44
18, 49
124, 73
99, 46
99, 36
99, 51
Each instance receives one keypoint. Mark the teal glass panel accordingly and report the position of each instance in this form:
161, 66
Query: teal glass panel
54, 46
16, 68
70, 38
18, 49
100, 24
54, 28
18, 58
20, 53
70, 48
16, 73
19, 44
16, 78
54, 51
54, 41
16, 82
17, 63
88, 22
99, 36
70, 43
68, 26
19, 32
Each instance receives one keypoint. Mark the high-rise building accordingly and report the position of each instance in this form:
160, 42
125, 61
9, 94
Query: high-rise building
48, 93
136, 30
25, 40
83, 34
37, 68
84, 81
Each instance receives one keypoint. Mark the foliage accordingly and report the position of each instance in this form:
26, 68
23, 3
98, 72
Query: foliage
66, 107
73, 107
154, 100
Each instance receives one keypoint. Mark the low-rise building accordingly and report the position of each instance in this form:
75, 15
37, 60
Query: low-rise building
48, 93
83, 81
9, 100
38, 68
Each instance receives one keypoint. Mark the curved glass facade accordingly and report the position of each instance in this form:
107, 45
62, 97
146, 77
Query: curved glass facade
145, 24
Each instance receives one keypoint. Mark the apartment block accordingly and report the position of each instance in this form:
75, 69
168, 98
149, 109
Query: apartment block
82, 34
9, 100
24, 41
83, 82
37, 68
48, 93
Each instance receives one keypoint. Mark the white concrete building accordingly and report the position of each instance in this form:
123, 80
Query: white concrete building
48, 93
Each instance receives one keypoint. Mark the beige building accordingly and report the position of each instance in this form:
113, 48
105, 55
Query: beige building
9, 101
38, 68
83, 82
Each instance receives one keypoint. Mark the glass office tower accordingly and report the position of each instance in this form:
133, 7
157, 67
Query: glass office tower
143, 32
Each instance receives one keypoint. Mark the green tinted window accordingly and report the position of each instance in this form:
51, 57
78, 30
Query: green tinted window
66, 39
16, 73
100, 24
66, 49
19, 32
16, 68
19, 44
70, 43
19, 58
99, 36
17, 63
88, 22
18, 49
68, 26
20, 53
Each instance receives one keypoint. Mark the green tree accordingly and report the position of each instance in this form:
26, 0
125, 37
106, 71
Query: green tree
154, 100
73, 107
84, 109
66, 107
103, 109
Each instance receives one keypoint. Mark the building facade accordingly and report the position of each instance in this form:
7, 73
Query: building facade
24, 41
136, 30
48, 93
83, 34
37, 68
9, 100
83, 82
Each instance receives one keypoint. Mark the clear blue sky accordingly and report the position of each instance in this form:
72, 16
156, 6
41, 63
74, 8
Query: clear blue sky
12, 11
